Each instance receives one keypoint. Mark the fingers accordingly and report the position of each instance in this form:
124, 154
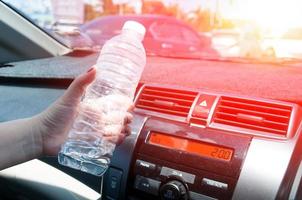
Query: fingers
77, 88
118, 138
131, 108
128, 118
126, 130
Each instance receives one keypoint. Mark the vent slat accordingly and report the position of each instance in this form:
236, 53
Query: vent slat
181, 93
142, 102
266, 121
249, 126
184, 114
254, 112
167, 101
258, 106
166, 98
175, 105
254, 102
253, 115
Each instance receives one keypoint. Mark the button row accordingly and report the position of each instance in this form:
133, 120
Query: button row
189, 178
144, 164
217, 184
152, 186
147, 185
186, 177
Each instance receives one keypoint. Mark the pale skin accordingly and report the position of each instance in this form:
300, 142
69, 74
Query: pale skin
43, 134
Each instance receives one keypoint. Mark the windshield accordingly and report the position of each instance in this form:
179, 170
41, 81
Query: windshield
243, 29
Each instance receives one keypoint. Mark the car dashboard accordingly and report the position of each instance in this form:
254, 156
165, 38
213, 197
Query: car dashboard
187, 142
200, 145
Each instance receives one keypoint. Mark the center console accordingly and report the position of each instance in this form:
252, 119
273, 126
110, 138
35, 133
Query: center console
174, 161
191, 145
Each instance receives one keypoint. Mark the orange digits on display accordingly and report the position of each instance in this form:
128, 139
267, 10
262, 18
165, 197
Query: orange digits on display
190, 146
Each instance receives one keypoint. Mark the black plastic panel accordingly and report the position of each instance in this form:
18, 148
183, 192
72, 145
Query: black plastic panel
239, 143
200, 174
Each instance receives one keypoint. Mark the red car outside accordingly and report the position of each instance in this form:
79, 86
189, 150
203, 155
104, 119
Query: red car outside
165, 35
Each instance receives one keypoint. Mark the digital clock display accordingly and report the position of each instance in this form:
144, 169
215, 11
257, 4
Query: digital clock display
190, 146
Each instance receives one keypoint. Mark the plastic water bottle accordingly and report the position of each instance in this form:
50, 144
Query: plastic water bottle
103, 109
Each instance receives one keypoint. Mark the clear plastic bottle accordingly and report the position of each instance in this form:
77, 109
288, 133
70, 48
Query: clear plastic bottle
102, 111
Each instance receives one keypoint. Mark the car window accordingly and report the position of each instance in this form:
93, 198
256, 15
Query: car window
166, 32
40, 12
107, 27
189, 35
173, 21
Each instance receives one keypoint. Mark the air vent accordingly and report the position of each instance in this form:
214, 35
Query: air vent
254, 115
167, 101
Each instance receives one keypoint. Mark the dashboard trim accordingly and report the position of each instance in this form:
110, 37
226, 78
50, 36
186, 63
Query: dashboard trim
262, 172
297, 182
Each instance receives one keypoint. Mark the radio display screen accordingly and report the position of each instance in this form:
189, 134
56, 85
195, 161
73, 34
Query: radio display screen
190, 146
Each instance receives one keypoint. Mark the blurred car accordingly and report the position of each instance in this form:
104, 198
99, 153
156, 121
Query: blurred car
165, 35
225, 42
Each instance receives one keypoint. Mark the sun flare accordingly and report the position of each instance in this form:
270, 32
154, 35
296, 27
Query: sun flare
274, 15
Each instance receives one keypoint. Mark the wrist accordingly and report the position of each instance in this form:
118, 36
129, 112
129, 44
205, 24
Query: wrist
36, 131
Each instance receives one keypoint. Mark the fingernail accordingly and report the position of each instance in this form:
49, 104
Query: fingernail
89, 70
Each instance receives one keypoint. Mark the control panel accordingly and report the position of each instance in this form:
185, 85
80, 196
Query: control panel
178, 162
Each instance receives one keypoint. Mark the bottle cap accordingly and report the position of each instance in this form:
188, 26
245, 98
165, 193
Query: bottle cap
135, 26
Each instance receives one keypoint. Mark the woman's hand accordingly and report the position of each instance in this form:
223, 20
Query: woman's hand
56, 121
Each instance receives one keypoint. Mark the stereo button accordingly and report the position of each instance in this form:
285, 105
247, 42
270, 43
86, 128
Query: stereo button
216, 184
146, 165
114, 183
148, 185
189, 178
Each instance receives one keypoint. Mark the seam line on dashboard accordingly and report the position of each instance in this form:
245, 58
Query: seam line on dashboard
192, 107
214, 106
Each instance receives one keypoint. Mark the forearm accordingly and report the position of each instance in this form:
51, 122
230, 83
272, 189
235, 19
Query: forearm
20, 141
26, 139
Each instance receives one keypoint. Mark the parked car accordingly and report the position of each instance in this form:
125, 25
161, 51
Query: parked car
225, 41
165, 35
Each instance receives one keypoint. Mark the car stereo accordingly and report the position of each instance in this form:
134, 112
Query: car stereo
175, 161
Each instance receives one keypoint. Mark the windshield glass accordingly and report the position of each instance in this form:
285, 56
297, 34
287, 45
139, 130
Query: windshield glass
243, 29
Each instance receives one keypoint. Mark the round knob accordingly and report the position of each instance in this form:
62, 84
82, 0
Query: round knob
173, 190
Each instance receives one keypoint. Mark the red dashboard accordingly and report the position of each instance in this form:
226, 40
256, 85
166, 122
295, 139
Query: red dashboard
270, 81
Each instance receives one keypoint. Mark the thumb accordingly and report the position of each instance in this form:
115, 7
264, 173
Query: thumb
77, 88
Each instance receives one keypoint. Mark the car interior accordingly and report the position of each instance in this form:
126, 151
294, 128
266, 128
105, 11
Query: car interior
240, 123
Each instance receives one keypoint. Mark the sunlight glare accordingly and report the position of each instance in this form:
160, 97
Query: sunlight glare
275, 15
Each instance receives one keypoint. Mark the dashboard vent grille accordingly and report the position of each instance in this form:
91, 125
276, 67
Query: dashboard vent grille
167, 101
254, 115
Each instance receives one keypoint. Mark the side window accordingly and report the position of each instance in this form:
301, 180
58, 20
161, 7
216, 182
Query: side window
189, 36
105, 27
40, 12
166, 31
